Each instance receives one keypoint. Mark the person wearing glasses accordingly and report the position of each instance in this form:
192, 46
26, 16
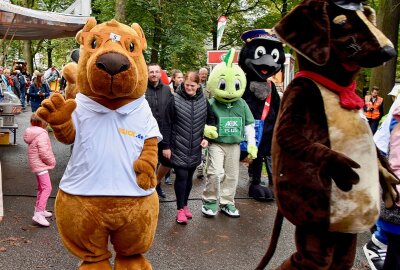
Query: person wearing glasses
158, 95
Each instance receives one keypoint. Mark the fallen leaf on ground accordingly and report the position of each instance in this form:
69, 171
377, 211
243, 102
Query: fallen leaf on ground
209, 251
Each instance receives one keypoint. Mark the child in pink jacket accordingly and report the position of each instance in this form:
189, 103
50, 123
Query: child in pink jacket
41, 159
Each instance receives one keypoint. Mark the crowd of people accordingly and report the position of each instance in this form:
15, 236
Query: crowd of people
170, 99
383, 249
30, 89
385, 240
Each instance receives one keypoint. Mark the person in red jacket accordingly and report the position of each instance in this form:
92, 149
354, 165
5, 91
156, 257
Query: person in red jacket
373, 108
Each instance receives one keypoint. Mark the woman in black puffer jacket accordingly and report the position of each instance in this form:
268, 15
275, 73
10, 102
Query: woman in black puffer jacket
186, 115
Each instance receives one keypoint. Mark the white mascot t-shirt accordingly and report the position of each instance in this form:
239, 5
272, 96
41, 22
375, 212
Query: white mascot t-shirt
107, 142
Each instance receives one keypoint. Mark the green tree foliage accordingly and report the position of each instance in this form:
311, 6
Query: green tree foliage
54, 52
178, 32
174, 29
388, 20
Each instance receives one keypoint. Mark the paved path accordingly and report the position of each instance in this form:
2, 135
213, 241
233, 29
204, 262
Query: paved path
218, 243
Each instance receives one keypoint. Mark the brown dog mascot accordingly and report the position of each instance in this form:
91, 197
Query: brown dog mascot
107, 190
325, 164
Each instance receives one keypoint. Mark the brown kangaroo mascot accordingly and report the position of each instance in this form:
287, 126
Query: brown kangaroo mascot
107, 190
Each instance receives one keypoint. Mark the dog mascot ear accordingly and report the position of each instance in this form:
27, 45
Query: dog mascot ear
306, 30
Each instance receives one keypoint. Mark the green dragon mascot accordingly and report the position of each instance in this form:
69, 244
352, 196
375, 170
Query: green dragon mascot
235, 123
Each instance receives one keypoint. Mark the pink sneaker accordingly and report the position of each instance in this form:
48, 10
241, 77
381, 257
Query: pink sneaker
188, 214
181, 217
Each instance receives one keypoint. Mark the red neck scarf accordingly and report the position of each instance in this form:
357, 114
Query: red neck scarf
347, 95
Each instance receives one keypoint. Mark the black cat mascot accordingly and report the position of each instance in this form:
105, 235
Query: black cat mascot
261, 57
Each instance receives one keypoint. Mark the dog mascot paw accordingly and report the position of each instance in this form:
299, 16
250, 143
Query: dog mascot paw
261, 57
107, 190
325, 164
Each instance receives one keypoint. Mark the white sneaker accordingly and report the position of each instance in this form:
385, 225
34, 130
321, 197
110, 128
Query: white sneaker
46, 214
378, 243
209, 208
40, 219
375, 252
230, 210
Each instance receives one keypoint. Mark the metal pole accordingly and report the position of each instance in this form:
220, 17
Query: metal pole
8, 28
8, 46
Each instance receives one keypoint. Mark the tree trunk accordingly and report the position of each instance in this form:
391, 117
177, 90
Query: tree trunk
2, 56
284, 8
27, 44
120, 14
156, 39
28, 56
49, 57
162, 55
388, 20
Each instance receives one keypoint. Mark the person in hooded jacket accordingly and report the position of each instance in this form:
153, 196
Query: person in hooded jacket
186, 116
41, 159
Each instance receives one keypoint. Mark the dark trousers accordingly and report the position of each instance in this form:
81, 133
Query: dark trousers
35, 104
373, 124
392, 260
23, 94
183, 185
322, 250
255, 168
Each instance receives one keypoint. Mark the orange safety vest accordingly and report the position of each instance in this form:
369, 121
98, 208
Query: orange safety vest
376, 105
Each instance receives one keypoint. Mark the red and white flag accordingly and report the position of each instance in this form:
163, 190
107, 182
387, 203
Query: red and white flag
220, 29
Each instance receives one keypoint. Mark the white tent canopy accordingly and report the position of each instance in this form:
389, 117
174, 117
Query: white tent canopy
19, 23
